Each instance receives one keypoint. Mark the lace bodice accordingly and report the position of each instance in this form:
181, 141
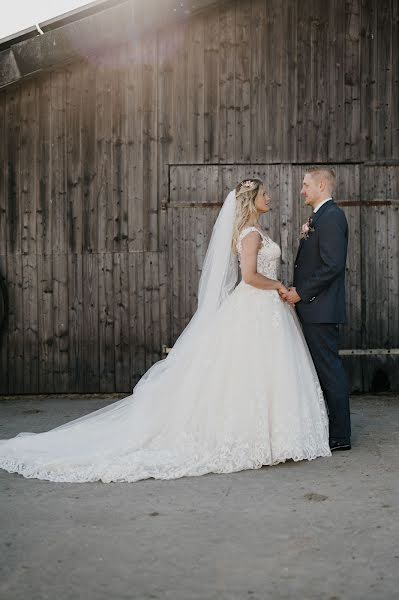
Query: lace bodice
268, 256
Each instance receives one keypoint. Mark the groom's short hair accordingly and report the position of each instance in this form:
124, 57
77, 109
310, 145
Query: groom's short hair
325, 173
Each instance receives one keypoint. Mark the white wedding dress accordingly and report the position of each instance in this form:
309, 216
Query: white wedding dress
246, 394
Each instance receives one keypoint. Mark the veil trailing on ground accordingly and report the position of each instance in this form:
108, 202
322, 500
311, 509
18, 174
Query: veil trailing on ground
218, 279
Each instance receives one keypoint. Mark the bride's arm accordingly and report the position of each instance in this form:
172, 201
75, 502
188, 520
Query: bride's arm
250, 246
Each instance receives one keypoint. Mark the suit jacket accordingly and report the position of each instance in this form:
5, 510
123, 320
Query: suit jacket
319, 273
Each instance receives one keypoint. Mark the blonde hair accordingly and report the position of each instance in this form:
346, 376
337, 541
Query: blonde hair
246, 192
323, 173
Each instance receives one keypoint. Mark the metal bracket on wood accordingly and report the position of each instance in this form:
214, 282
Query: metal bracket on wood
369, 351
343, 352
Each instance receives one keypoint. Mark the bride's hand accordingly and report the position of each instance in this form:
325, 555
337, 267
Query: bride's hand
282, 290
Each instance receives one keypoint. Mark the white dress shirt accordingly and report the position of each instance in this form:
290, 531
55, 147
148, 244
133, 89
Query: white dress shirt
321, 204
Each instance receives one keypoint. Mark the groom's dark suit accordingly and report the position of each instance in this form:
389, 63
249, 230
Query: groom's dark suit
319, 278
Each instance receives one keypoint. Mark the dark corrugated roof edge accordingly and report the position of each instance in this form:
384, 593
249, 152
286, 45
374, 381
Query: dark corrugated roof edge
97, 27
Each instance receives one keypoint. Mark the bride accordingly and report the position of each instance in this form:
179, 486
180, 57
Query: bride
237, 391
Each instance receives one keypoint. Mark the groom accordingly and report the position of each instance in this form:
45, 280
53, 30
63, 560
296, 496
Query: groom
319, 295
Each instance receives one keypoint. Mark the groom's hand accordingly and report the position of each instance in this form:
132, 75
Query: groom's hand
292, 296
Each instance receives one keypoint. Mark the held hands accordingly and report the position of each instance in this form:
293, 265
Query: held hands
289, 295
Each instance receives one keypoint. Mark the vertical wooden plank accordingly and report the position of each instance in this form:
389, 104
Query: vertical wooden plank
348, 189
61, 322
151, 308
288, 143
14, 220
106, 322
30, 325
14, 282
44, 171
121, 322
195, 85
3, 175
367, 88
58, 164
275, 110
287, 236
211, 85
164, 116
4, 337
150, 133
227, 28
304, 75
45, 296
136, 315
89, 174
336, 69
319, 125
164, 328
242, 150
73, 157
90, 322
393, 257
118, 155
3, 237
381, 321
27, 156
259, 134
134, 149
371, 254
383, 108
104, 156
76, 354
352, 80
395, 79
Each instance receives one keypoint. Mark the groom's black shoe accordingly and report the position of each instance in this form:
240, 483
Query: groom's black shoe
340, 445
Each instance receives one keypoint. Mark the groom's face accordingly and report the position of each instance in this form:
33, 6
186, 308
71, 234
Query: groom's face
310, 189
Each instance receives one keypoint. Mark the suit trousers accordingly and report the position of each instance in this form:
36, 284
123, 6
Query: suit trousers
322, 340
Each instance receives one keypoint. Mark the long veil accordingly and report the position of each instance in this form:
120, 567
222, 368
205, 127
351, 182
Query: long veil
218, 278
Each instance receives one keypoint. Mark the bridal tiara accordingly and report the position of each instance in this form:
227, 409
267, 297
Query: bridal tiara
248, 184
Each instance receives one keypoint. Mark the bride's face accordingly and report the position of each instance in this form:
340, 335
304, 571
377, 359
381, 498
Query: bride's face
262, 201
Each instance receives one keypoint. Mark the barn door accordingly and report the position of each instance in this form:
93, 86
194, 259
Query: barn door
195, 197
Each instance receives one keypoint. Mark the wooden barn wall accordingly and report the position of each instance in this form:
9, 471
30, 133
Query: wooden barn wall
89, 170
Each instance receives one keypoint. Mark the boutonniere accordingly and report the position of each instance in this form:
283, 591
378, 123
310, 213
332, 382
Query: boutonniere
306, 229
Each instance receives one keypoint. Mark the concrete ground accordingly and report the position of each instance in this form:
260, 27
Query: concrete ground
326, 529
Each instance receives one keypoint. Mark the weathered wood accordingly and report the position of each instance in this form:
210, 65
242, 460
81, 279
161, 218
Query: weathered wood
16, 356
120, 304
3, 339
134, 148
106, 322
113, 170
150, 146
259, 135
211, 86
104, 156
60, 322
44, 173
30, 323
352, 80
88, 158
242, 150
76, 316
393, 259
137, 315
45, 295
227, 24
58, 204
91, 376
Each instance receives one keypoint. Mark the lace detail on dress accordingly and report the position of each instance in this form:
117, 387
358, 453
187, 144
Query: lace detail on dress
268, 256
